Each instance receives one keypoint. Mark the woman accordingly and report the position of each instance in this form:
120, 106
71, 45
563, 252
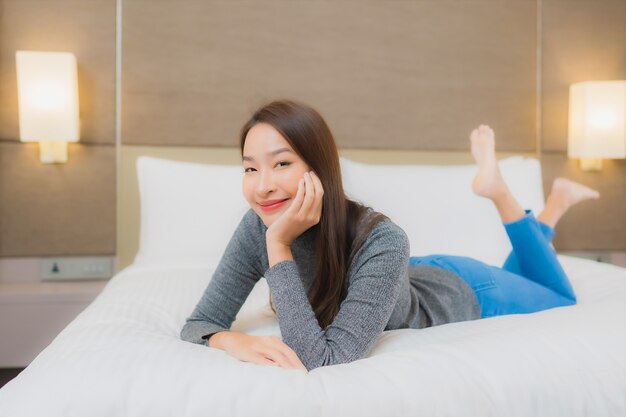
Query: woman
340, 273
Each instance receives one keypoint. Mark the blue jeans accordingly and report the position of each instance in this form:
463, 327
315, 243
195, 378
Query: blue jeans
530, 280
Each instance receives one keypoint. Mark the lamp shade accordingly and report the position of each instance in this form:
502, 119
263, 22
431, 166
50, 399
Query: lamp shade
47, 88
597, 120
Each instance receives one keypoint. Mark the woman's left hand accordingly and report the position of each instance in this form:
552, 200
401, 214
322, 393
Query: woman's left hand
304, 212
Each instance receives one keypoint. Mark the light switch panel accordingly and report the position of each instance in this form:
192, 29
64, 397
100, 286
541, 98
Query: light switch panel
75, 268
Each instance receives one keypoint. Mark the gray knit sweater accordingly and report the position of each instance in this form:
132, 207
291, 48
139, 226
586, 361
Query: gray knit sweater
384, 293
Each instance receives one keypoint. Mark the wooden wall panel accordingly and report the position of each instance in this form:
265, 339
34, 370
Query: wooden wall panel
59, 210
84, 27
596, 224
386, 74
64, 209
583, 40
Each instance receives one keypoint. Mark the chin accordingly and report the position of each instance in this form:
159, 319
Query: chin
268, 219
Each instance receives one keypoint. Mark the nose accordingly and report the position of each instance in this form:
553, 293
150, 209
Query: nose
265, 184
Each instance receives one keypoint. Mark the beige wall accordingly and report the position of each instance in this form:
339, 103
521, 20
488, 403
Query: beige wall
64, 209
84, 27
582, 40
405, 75
385, 74
57, 210
594, 225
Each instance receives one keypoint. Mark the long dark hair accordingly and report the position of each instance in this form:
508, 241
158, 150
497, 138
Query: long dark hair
340, 231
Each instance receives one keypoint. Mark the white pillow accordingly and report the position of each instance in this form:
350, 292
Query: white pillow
189, 211
436, 207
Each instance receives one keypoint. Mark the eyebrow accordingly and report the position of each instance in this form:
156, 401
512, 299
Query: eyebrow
272, 153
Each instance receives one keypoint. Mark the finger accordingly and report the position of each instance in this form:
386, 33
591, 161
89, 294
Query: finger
317, 184
277, 356
262, 360
292, 357
288, 353
296, 204
256, 357
319, 189
309, 196
272, 350
316, 208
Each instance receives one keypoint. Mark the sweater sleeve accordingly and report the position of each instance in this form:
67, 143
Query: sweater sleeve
235, 276
375, 279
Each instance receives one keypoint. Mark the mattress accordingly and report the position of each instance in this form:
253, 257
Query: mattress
122, 356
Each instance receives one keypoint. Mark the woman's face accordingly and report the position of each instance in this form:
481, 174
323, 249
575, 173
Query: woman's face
272, 170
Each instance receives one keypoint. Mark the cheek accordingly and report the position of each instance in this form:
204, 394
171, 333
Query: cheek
248, 189
290, 182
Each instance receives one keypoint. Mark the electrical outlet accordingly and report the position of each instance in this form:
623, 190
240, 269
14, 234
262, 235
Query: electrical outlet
75, 268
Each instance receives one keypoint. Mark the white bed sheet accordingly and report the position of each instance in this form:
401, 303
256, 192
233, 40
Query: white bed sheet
122, 356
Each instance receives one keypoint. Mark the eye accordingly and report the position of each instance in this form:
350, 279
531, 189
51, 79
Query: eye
278, 163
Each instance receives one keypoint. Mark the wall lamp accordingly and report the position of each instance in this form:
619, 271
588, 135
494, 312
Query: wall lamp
597, 122
47, 86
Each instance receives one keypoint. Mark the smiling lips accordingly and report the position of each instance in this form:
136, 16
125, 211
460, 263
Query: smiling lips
272, 204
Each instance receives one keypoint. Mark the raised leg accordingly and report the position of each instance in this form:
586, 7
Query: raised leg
564, 194
488, 182
535, 258
511, 263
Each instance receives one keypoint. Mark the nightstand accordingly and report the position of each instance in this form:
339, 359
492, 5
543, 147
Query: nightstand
32, 314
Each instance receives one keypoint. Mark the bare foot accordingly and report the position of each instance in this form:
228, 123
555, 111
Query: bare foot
568, 192
488, 181
565, 193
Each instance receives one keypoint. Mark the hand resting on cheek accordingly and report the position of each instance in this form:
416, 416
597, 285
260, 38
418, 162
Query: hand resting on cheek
304, 212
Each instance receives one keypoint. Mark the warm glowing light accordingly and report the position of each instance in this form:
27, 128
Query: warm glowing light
47, 86
48, 96
597, 120
602, 119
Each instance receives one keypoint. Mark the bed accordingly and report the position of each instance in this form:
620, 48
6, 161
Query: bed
122, 356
